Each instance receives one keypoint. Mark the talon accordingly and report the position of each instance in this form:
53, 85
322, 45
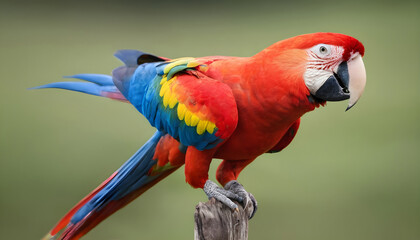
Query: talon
213, 190
255, 205
246, 198
233, 190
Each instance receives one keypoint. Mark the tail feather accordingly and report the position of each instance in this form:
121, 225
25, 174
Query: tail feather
103, 85
100, 79
135, 177
89, 88
90, 221
126, 184
98, 85
66, 219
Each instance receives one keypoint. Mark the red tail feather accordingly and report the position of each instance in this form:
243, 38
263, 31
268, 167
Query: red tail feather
66, 219
76, 231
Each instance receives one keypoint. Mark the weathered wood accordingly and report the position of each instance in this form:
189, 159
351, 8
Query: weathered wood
216, 221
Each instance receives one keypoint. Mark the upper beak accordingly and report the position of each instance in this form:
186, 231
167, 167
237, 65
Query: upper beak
347, 82
357, 79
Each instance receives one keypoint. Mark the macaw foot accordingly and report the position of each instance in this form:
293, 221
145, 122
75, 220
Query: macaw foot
249, 200
233, 190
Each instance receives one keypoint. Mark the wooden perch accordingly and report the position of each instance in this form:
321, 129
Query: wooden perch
216, 221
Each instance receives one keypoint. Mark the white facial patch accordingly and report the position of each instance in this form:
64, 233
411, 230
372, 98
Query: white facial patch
315, 78
322, 60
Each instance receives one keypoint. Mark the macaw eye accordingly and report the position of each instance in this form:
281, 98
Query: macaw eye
322, 50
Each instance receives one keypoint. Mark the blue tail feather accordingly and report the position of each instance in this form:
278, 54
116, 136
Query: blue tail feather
89, 88
98, 85
130, 177
100, 79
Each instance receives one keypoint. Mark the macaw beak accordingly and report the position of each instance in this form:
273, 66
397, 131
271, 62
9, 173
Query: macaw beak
357, 79
347, 82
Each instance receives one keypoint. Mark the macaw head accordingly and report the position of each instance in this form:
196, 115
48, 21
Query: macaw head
331, 64
335, 69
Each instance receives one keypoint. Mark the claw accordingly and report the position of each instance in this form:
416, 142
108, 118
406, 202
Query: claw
237, 188
233, 191
254, 204
213, 190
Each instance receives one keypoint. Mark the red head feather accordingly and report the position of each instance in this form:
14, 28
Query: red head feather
306, 41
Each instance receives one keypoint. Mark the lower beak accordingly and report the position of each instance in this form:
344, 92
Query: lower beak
348, 82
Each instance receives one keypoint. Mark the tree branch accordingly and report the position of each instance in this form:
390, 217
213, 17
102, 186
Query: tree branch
216, 221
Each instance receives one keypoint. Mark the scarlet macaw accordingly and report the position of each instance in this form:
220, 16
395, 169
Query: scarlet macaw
231, 108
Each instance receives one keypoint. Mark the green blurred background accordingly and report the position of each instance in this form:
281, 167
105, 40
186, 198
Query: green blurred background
353, 175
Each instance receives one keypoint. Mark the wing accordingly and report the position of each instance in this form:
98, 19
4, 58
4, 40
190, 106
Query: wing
177, 98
